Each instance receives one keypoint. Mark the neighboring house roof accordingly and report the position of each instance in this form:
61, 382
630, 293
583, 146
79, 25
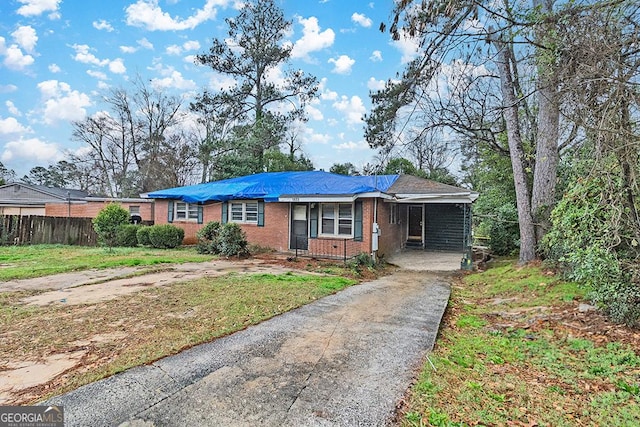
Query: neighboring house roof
306, 185
271, 186
29, 194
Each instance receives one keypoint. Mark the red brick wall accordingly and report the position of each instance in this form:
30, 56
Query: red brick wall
391, 236
275, 232
91, 209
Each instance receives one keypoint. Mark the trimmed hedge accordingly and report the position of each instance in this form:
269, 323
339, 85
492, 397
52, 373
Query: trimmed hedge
142, 234
165, 236
127, 235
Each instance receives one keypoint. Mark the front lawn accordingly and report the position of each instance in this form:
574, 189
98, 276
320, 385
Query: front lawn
515, 350
24, 262
104, 338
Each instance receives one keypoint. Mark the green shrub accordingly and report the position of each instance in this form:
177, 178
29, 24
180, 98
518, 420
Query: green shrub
142, 234
128, 235
165, 236
108, 222
209, 238
361, 261
593, 241
504, 233
232, 240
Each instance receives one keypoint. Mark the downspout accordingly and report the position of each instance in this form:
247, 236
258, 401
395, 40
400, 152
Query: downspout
375, 231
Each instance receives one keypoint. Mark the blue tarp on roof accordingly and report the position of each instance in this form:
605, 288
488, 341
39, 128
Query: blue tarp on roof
271, 185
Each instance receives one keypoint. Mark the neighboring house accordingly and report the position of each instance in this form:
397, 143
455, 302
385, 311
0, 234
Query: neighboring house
326, 214
26, 199
139, 209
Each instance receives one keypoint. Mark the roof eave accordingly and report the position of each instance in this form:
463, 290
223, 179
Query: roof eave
468, 197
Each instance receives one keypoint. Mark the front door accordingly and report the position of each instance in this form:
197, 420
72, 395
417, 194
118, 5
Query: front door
299, 238
415, 229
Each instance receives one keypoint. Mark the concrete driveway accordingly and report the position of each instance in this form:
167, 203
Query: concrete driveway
345, 360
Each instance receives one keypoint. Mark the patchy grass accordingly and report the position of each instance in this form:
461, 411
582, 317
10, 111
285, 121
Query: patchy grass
514, 350
148, 325
24, 262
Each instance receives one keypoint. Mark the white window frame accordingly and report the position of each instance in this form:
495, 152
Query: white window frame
185, 211
394, 214
337, 220
243, 211
134, 210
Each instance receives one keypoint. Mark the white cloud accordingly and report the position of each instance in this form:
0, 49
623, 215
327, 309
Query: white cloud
32, 149
352, 146
97, 74
26, 37
376, 56
117, 66
84, 55
149, 15
191, 45
38, 7
374, 84
142, 43
221, 82
351, 108
11, 126
61, 102
314, 113
361, 19
408, 46
12, 108
342, 65
102, 25
54, 68
173, 49
312, 39
14, 59
325, 93
174, 80
8, 88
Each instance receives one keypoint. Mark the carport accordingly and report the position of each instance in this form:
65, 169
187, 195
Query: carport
434, 216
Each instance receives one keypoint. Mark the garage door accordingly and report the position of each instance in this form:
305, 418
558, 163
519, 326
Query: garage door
447, 226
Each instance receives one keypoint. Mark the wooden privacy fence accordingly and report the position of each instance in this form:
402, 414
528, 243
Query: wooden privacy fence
32, 230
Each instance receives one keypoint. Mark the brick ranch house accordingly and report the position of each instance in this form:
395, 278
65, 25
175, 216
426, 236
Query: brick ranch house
326, 214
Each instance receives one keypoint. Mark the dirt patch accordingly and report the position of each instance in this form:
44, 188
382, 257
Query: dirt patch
115, 288
80, 329
19, 376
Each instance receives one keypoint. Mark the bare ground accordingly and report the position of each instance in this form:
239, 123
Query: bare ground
26, 376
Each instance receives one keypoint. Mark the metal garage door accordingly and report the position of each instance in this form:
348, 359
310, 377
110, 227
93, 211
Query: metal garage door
447, 226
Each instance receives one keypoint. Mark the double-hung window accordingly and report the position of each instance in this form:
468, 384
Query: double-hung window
186, 211
393, 214
243, 211
337, 219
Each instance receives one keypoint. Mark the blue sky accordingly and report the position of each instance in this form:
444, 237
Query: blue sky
58, 56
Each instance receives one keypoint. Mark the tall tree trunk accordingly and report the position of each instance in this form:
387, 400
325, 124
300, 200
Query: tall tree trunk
545, 174
510, 113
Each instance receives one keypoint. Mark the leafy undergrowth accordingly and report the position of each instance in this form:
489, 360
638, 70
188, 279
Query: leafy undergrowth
137, 329
515, 349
